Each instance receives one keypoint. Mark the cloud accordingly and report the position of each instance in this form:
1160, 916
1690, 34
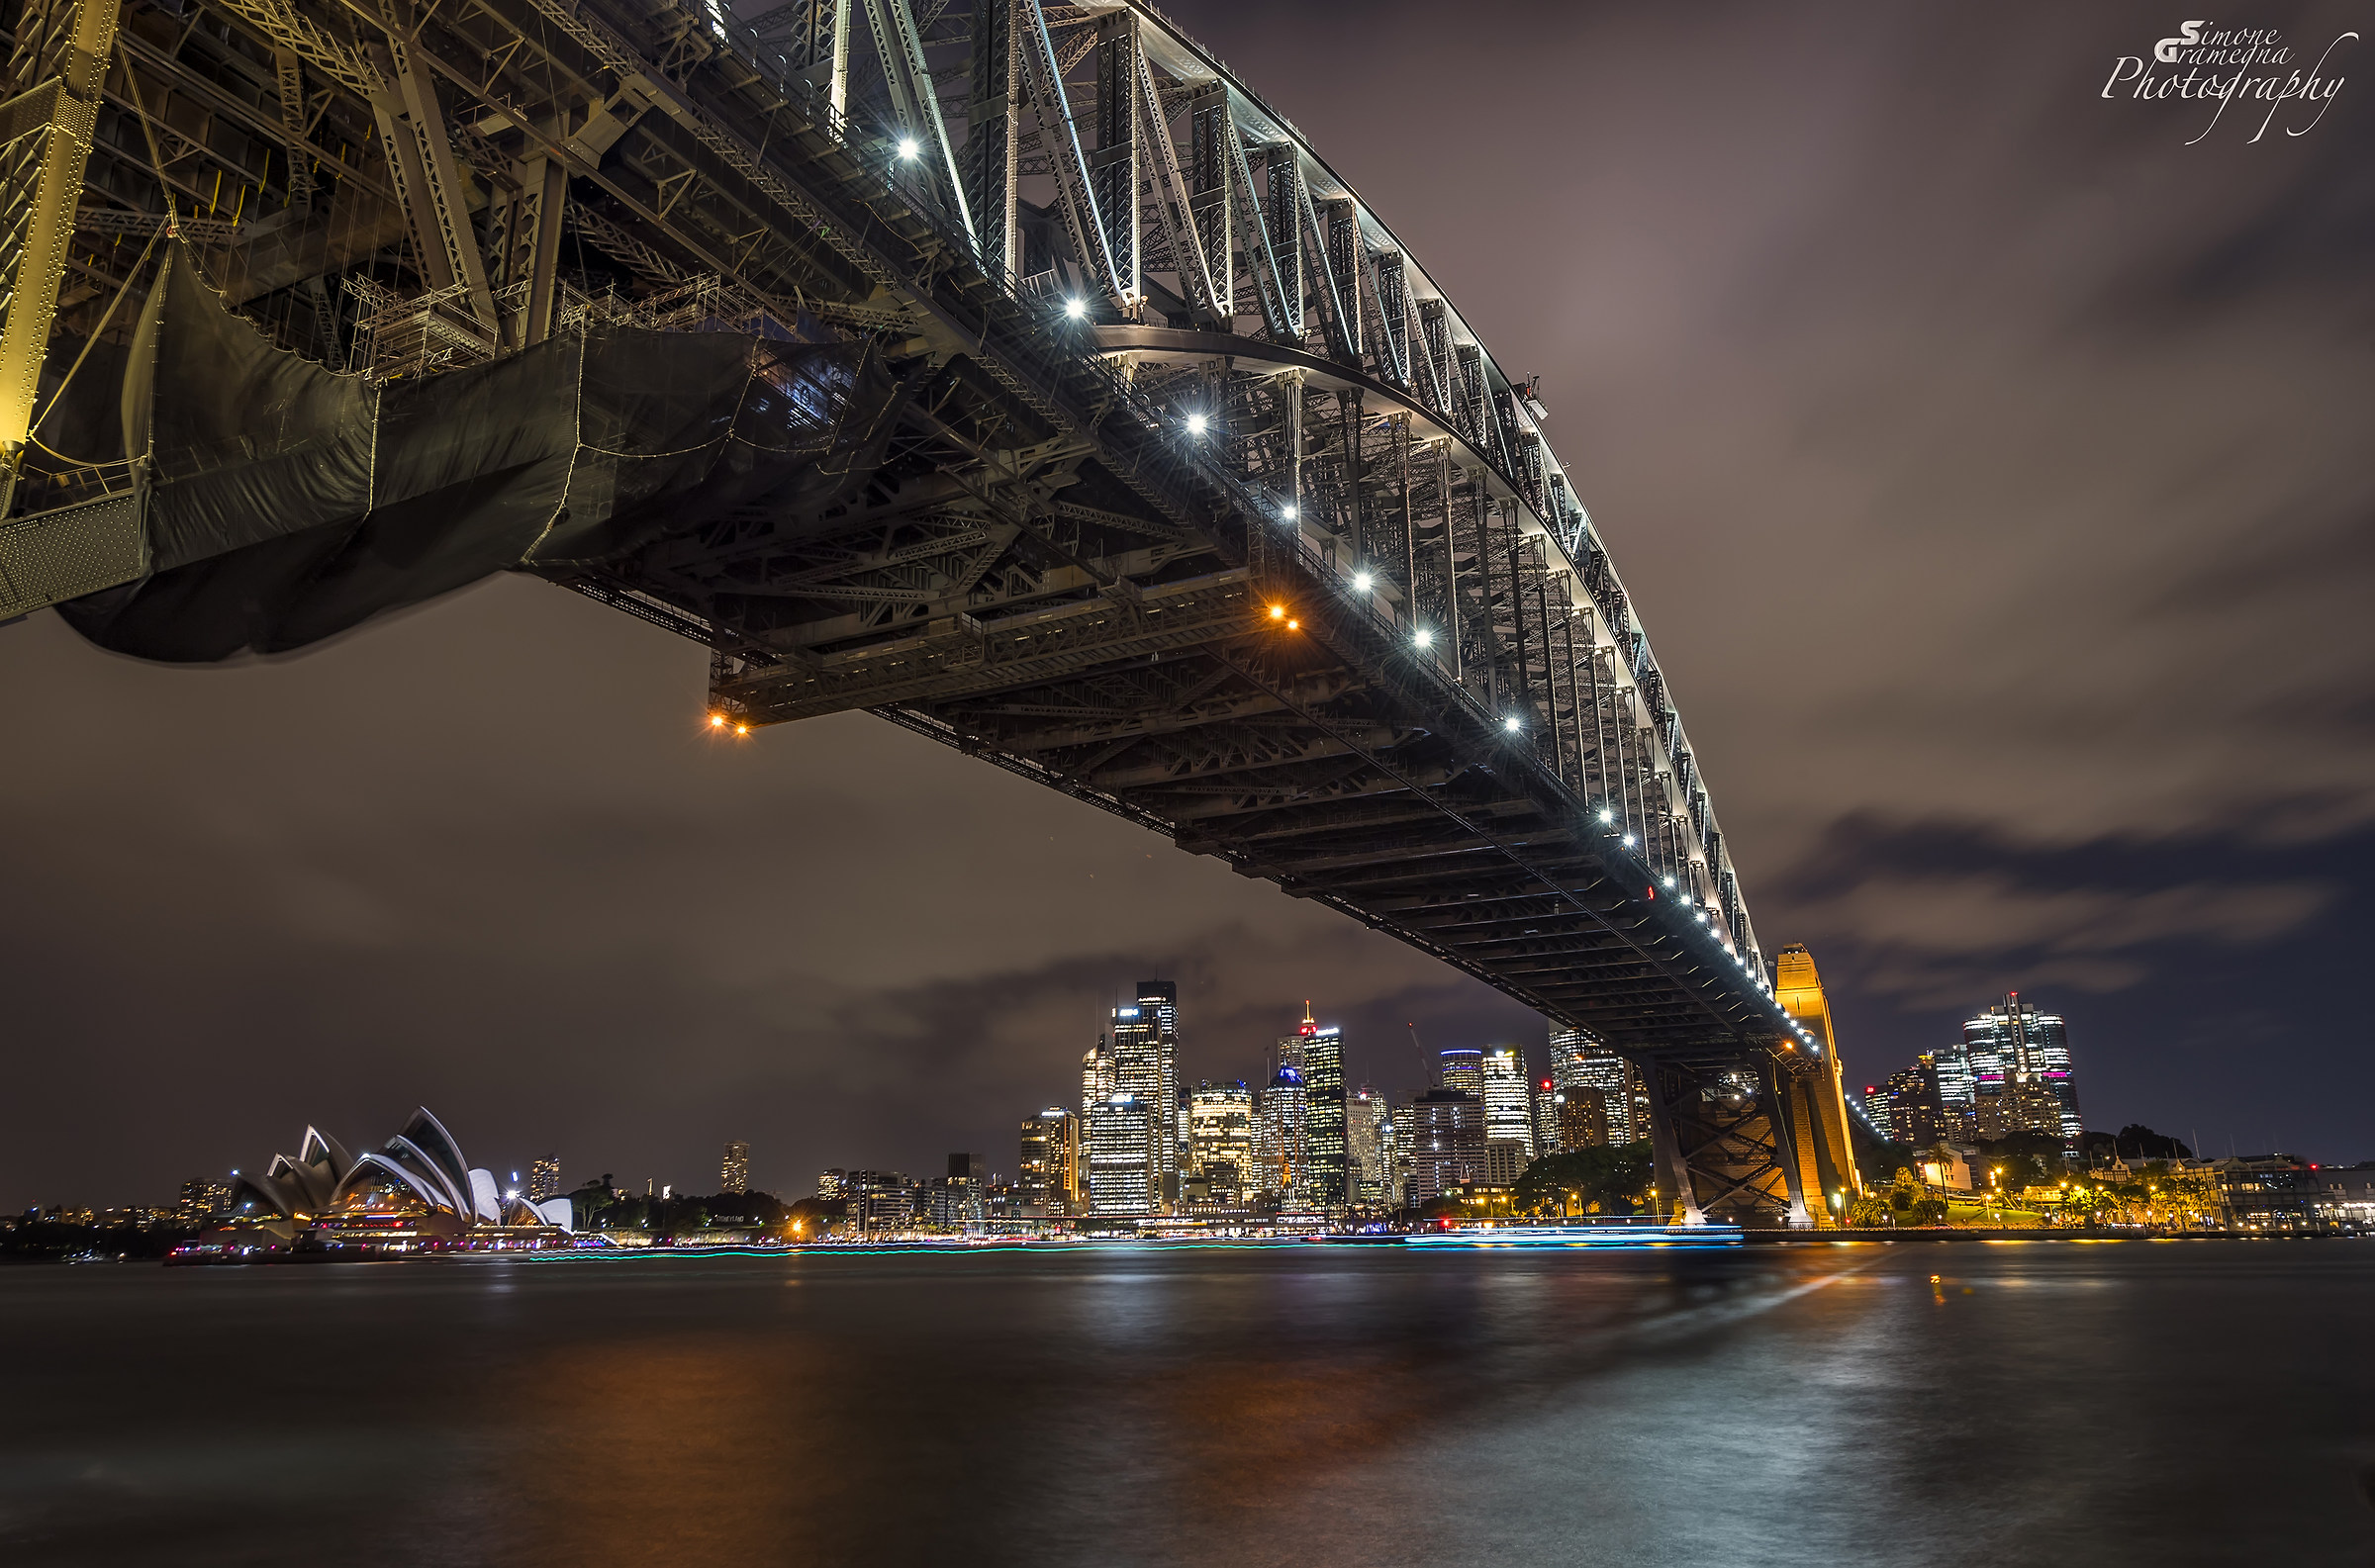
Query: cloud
1936, 940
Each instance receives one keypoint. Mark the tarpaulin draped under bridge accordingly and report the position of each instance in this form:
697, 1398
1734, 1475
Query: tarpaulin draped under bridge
283, 502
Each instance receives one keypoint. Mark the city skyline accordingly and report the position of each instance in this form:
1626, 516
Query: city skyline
1512, 1103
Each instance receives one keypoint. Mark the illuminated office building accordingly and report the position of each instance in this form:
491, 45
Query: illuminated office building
1047, 1176
1281, 1154
1545, 1117
1326, 1128
1464, 1071
1911, 1104
2019, 1064
1220, 1137
1122, 1172
1370, 1175
1873, 1103
1508, 1104
1617, 1110
734, 1172
543, 1179
1446, 1143
1096, 1077
1957, 1093
1145, 1044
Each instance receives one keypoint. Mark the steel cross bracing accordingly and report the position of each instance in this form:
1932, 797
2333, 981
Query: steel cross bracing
1198, 498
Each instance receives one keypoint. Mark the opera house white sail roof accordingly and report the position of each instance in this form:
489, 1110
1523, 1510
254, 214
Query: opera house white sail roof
421, 1167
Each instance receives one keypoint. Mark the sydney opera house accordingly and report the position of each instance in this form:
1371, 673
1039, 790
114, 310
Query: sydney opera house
415, 1192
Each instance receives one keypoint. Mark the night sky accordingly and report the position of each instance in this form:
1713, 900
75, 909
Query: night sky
1991, 468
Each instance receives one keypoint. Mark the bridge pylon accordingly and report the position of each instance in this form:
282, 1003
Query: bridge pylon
1759, 1141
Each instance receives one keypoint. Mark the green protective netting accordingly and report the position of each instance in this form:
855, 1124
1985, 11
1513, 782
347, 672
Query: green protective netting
284, 503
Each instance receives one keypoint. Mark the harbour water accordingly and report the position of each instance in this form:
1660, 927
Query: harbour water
2144, 1403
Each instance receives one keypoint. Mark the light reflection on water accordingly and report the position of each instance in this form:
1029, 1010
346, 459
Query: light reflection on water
1311, 1406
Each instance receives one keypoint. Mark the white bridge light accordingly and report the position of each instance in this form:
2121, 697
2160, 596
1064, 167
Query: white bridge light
1628, 840
1196, 423
1510, 724
1074, 310
907, 147
1423, 637
1287, 511
1610, 816
1362, 582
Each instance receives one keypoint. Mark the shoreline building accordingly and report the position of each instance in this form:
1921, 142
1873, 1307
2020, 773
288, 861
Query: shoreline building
416, 1190
1446, 1143
1146, 1067
1327, 1129
2019, 1065
1220, 1138
1613, 1106
1908, 1106
1508, 1108
1281, 1151
1373, 1165
1462, 1070
734, 1172
1096, 1077
1047, 1173
1122, 1167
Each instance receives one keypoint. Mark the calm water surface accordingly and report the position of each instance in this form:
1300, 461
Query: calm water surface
2129, 1403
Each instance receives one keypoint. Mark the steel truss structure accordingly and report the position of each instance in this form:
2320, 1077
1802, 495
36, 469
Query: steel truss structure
1205, 503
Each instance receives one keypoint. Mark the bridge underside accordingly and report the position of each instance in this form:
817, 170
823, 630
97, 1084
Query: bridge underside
1143, 461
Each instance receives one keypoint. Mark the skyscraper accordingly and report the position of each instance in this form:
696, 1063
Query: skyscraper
1096, 1076
2020, 1070
1547, 1101
1047, 1175
1621, 1109
1916, 1114
1508, 1108
1281, 1151
1122, 1167
1873, 1102
1220, 1129
543, 1179
1464, 1071
1372, 1179
733, 1172
1146, 1043
1446, 1143
1325, 1127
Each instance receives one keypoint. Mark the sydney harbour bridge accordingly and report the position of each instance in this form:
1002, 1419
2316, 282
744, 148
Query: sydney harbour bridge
1006, 369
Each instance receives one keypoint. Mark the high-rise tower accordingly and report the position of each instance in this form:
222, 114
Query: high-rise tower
1220, 1122
1096, 1076
1464, 1071
1146, 1065
1047, 1175
2020, 1073
1325, 1127
1509, 1111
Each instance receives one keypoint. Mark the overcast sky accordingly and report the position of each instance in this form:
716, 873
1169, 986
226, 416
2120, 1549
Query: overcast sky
1990, 465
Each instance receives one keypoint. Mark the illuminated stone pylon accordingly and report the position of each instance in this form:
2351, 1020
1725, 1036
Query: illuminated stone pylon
1826, 1160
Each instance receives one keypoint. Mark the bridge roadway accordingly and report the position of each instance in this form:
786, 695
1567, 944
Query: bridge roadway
1200, 501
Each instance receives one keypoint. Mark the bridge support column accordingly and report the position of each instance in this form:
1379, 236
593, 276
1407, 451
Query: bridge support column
1724, 1141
